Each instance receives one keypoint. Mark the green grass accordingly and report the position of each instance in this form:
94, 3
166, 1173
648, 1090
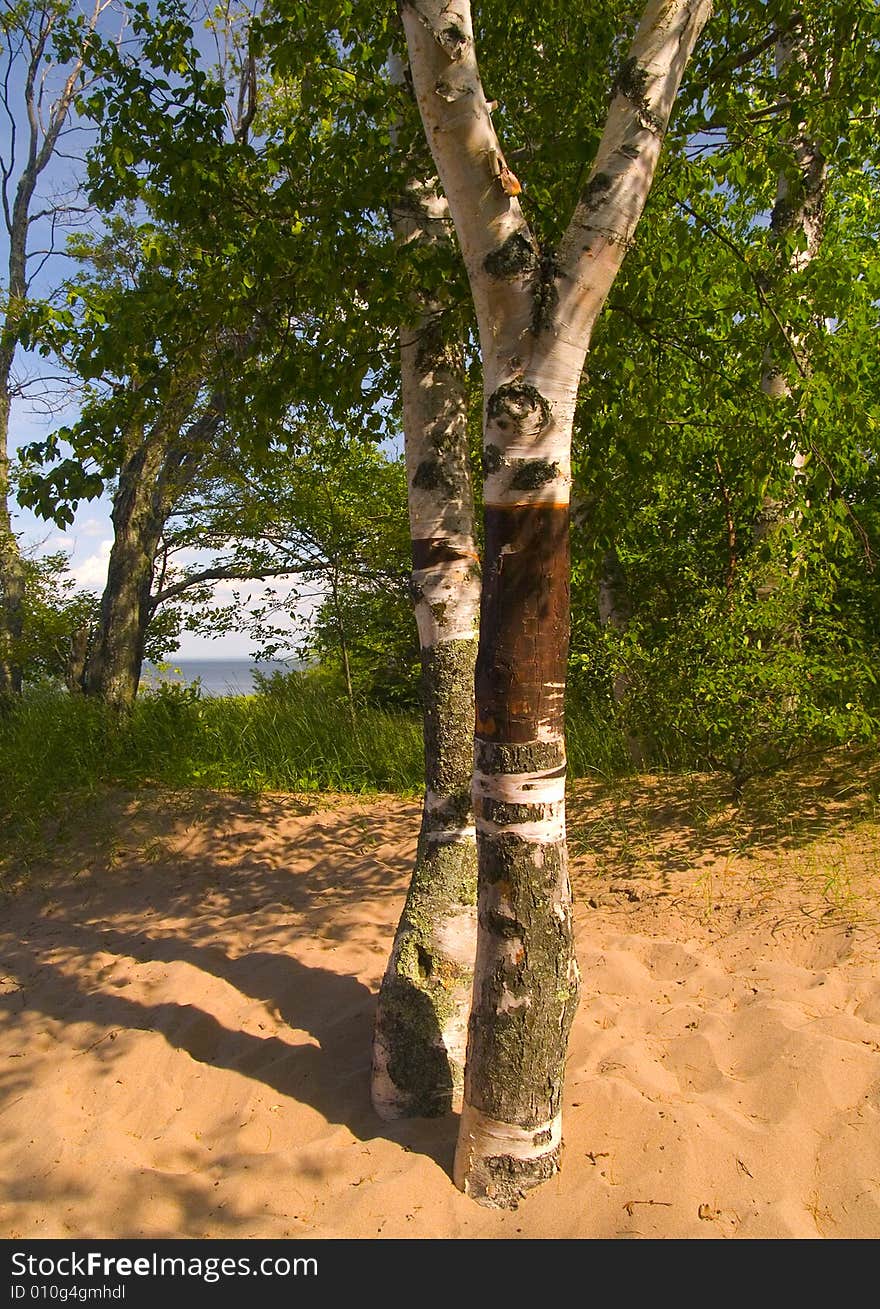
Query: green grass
302, 739
57, 750
59, 753
296, 735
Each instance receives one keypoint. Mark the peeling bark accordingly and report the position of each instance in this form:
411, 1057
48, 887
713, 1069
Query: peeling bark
421, 1020
535, 318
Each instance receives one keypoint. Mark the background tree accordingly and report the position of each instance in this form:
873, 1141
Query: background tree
675, 480
182, 323
43, 47
420, 1034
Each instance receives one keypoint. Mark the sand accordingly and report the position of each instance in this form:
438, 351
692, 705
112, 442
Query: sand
188, 989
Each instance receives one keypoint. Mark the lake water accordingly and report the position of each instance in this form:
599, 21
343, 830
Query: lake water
217, 676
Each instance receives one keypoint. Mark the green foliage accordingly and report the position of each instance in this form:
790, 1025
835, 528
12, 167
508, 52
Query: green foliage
55, 610
286, 225
292, 737
744, 681
381, 642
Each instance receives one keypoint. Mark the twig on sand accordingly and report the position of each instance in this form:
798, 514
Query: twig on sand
631, 1204
108, 1036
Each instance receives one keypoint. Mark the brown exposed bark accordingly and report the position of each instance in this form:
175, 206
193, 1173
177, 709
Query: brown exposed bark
524, 622
799, 211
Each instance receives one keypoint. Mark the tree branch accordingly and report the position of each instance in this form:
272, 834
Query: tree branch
221, 575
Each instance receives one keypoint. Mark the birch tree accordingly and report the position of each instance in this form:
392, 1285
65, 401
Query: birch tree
166, 321
420, 1033
358, 124
536, 312
36, 104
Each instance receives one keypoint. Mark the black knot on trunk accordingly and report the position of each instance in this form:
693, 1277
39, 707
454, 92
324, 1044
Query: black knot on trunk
454, 41
493, 460
513, 258
632, 82
532, 474
519, 407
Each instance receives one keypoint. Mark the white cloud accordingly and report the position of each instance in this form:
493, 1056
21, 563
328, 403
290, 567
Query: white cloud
93, 527
92, 572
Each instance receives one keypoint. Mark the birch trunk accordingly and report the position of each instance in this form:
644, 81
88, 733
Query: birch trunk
535, 317
799, 211
421, 1021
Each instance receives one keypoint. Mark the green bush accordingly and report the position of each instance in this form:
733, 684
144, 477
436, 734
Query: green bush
743, 686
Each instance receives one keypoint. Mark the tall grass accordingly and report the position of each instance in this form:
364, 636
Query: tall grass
297, 735
302, 739
595, 741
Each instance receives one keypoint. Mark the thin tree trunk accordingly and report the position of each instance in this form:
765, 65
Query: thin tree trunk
730, 540
535, 317
44, 125
343, 644
421, 1021
799, 212
11, 566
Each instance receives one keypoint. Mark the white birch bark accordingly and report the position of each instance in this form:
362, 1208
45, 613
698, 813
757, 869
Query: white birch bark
535, 319
420, 1033
799, 212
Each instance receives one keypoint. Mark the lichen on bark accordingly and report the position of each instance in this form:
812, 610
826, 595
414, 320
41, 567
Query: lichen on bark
447, 724
420, 1030
526, 757
531, 474
503, 1180
419, 1033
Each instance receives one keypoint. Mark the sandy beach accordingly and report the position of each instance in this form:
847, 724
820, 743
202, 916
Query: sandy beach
188, 989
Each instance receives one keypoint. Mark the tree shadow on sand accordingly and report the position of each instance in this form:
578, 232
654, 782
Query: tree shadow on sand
250, 912
673, 824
